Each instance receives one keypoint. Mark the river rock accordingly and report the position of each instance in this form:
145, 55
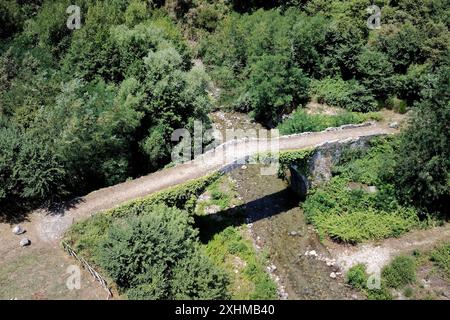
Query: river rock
330, 263
293, 233
333, 275
212, 209
312, 253
18, 230
25, 242
393, 125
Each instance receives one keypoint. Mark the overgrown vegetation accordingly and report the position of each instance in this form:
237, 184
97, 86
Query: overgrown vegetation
231, 250
88, 108
400, 272
440, 256
357, 276
300, 121
230, 246
221, 194
359, 202
85, 236
156, 255
150, 247
150, 250
83, 109
401, 275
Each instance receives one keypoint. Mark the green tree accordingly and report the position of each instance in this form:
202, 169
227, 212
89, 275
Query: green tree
274, 87
376, 72
403, 45
423, 169
308, 42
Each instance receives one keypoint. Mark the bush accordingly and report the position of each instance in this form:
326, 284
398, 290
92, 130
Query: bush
400, 272
156, 255
441, 258
274, 86
379, 294
183, 196
195, 277
357, 276
156, 239
349, 95
423, 164
358, 226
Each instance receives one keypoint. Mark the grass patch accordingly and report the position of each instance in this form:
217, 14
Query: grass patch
245, 267
440, 257
300, 121
222, 193
357, 276
400, 272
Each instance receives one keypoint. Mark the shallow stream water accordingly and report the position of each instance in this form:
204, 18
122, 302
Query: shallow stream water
277, 224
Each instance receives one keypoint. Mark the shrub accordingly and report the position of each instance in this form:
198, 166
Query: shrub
358, 226
349, 95
400, 272
182, 196
441, 258
379, 294
156, 255
273, 87
156, 239
195, 277
423, 164
357, 276
408, 292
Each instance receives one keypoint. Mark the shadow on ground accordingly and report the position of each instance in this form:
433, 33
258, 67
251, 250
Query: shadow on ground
15, 212
264, 207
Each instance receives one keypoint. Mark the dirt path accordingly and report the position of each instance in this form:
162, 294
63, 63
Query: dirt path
39, 271
377, 255
51, 227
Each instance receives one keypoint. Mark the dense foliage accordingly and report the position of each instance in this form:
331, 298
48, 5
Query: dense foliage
359, 202
423, 169
329, 42
156, 256
81, 109
151, 250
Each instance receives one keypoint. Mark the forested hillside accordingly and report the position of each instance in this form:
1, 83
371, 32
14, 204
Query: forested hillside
81, 109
